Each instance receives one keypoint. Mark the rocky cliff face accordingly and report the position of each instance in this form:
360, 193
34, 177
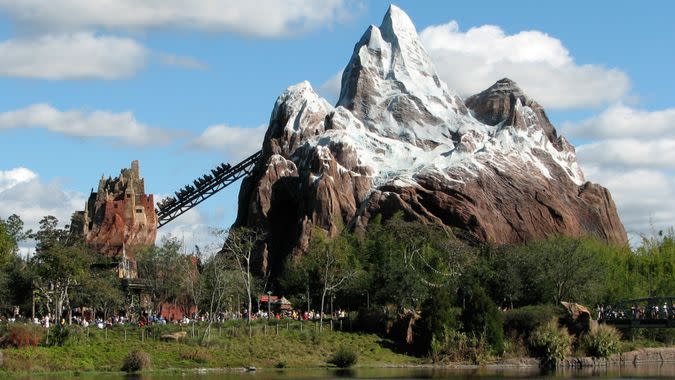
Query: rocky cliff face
119, 218
491, 167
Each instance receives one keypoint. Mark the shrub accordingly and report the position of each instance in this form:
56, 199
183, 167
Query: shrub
602, 341
136, 361
57, 335
550, 343
438, 317
196, 356
482, 318
22, 335
343, 358
458, 347
522, 321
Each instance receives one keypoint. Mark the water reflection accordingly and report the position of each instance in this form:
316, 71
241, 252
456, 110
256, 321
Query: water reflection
607, 373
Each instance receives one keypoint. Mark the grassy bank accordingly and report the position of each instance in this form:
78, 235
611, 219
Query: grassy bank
286, 345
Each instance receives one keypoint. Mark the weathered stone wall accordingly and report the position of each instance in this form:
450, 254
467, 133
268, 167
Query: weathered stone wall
119, 218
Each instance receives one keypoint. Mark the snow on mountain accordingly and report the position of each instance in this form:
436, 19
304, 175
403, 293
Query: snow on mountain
402, 119
399, 139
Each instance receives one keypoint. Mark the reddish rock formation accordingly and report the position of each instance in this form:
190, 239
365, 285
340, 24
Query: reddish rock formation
119, 218
492, 168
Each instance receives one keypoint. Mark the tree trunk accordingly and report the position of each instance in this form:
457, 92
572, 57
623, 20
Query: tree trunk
323, 298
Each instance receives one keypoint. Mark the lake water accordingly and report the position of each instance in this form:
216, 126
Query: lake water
651, 371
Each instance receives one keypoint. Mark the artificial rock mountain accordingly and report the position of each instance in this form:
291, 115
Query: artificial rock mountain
491, 166
119, 218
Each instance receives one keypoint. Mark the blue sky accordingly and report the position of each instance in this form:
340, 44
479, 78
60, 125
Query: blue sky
181, 86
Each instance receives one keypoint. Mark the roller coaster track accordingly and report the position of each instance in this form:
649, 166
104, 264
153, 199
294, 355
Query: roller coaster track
204, 187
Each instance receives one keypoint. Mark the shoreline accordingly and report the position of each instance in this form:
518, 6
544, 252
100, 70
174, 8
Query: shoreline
630, 359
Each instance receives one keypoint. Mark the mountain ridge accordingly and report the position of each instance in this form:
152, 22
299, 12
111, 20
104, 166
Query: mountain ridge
398, 139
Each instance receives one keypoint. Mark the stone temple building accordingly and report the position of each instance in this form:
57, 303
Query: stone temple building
119, 218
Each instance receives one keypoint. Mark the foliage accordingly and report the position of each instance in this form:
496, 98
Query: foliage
159, 266
230, 346
199, 356
438, 318
407, 259
344, 357
57, 335
655, 260
550, 343
136, 361
332, 262
602, 341
481, 317
20, 336
522, 321
13, 273
238, 249
60, 262
6, 245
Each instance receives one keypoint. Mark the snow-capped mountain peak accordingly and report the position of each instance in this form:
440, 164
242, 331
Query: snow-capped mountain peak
399, 139
391, 84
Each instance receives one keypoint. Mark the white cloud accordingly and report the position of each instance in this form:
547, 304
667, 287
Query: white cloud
643, 196
236, 142
71, 56
122, 127
330, 89
13, 177
22, 192
621, 121
632, 153
471, 61
261, 18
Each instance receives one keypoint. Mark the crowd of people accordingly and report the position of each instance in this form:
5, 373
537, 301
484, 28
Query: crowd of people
298, 315
636, 312
146, 319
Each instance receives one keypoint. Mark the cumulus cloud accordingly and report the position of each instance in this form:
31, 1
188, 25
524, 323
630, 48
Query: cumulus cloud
13, 177
22, 192
80, 55
262, 18
236, 142
620, 121
471, 61
632, 153
122, 127
643, 196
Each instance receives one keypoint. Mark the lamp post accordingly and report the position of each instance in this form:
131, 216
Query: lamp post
269, 304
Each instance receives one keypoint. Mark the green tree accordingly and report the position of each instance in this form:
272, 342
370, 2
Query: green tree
655, 259
59, 263
159, 267
333, 262
407, 259
238, 249
102, 291
481, 318
437, 319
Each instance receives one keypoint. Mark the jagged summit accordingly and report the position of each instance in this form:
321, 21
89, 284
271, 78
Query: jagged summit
399, 139
391, 85
499, 105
